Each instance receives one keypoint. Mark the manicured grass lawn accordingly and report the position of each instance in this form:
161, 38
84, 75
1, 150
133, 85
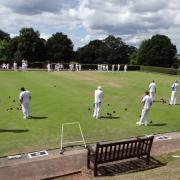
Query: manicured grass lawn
59, 97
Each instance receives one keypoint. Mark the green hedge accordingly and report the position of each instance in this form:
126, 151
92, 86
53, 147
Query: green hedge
133, 67
161, 70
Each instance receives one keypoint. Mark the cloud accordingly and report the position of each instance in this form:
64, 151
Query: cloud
120, 17
132, 20
85, 20
32, 7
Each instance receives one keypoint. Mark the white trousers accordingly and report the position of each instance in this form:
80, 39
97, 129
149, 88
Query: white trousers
144, 116
173, 98
26, 109
97, 110
152, 95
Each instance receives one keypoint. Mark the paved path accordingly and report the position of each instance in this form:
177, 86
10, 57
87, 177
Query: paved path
72, 161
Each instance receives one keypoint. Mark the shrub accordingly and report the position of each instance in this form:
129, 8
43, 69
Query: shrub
160, 70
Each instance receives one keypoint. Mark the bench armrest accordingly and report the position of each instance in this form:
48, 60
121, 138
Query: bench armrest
90, 149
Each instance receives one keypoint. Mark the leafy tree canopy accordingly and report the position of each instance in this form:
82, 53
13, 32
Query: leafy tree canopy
4, 35
59, 48
157, 51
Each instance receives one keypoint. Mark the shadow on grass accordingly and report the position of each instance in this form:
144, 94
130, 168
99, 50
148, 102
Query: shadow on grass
14, 130
38, 117
160, 124
129, 167
158, 101
109, 117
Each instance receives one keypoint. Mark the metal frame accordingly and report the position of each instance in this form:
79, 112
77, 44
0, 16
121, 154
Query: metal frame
62, 132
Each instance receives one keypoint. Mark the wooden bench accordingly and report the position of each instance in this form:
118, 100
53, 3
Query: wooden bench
105, 152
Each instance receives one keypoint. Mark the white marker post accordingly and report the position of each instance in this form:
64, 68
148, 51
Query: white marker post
62, 132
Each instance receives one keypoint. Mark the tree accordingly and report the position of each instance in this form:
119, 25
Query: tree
133, 57
94, 52
111, 50
3, 49
12, 49
30, 45
118, 50
4, 35
4, 40
157, 51
59, 48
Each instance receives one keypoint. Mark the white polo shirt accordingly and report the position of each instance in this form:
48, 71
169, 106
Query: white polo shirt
175, 87
152, 87
147, 102
98, 96
25, 96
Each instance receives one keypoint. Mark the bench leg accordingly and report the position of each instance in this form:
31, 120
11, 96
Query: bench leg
88, 163
95, 169
147, 159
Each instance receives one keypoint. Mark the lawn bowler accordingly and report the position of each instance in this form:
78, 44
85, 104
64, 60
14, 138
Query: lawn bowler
125, 67
174, 88
147, 103
152, 89
118, 67
98, 97
15, 66
48, 67
25, 98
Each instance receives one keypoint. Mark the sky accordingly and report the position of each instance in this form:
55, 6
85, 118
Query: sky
85, 20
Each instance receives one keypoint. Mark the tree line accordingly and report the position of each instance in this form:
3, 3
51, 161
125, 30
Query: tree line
156, 51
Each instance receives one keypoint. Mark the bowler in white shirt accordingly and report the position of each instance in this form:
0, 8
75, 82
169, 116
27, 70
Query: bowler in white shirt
25, 98
152, 89
174, 91
98, 97
147, 103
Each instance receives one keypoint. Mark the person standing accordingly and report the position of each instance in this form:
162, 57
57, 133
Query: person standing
25, 98
107, 67
98, 97
125, 67
174, 88
15, 66
147, 103
80, 66
113, 67
152, 89
118, 67
48, 67
23, 65
7, 66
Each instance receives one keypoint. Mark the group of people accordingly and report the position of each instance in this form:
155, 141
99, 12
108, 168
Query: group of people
5, 66
113, 67
14, 66
57, 67
149, 98
60, 67
75, 67
147, 101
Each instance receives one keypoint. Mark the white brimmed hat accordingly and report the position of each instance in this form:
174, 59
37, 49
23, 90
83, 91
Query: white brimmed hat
99, 87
